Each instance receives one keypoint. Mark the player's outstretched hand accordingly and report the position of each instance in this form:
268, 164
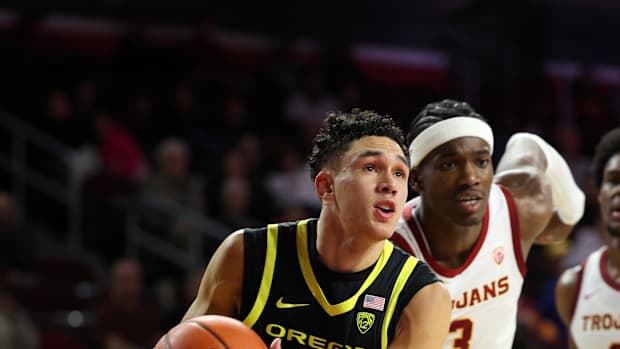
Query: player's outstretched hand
276, 344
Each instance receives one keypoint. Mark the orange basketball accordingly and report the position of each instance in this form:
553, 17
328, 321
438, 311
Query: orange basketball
211, 332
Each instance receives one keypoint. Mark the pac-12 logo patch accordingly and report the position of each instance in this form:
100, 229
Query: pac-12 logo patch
364, 321
499, 254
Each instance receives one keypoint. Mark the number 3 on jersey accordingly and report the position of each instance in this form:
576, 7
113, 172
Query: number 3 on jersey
465, 327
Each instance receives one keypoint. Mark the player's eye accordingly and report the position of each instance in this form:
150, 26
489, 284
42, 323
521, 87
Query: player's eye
483, 162
613, 180
446, 165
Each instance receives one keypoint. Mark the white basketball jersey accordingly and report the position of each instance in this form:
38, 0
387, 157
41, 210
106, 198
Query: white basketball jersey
596, 319
485, 290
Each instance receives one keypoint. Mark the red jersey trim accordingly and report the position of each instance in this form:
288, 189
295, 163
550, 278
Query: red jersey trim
398, 239
439, 269
603, 267
516, 230
407, 212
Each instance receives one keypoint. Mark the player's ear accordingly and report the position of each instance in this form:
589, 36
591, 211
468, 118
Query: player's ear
415, 180
324, 185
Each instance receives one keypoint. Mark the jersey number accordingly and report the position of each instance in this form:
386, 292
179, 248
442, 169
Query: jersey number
465, 326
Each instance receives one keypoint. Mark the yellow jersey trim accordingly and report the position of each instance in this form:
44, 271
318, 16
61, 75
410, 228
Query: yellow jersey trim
312, 283
400, 283
267, 278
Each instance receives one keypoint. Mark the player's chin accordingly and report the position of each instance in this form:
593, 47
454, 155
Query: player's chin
472, 221
469, 217
384, 230
614, 230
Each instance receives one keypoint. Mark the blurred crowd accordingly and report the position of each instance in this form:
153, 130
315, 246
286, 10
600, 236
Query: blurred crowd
223, 133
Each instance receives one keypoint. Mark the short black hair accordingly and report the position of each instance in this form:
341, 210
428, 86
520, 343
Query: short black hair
439, 111
340, 129
606, 148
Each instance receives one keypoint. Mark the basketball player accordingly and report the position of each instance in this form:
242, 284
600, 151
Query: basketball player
588, 295
475, 229
336, 281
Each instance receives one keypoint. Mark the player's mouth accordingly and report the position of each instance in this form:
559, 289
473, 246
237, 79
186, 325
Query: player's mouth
614, 208
384, 210
470, 202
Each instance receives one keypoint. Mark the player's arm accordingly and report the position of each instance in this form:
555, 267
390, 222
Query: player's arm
548, 200
564, 295
221, 285
425, 321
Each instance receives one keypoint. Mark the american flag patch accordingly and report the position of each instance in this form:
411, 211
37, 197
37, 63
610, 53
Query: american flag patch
374, 302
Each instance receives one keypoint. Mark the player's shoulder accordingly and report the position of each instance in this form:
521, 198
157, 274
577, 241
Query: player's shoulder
234, 241
569, 278
566, 291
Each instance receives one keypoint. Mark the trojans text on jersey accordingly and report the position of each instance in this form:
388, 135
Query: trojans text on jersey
483, 293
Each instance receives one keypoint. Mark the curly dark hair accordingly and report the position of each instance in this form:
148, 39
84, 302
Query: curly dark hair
340, 129
608, 146
439, 111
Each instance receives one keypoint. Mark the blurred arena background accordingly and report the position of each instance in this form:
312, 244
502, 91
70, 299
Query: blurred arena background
135, 135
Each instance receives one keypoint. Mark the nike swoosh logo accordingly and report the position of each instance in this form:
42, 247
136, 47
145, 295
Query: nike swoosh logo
589, 295
281, 305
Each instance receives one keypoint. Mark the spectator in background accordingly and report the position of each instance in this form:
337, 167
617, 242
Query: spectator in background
61, 123
127, 317
18, 247
232, 176
17, 330
121, 170
60, 120
307, 107
86, 96
233, 120
251, 151
228, 122
174, 183
186, 114
235, 199
120, 155
142, 119
173, 179
290, 186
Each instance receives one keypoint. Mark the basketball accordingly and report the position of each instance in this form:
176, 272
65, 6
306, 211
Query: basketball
211, 332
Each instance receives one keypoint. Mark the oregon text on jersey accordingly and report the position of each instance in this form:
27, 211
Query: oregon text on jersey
304, 339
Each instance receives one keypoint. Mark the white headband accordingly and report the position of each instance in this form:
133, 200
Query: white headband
445, 131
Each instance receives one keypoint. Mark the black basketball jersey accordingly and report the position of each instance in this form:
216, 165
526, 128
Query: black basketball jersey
289, 294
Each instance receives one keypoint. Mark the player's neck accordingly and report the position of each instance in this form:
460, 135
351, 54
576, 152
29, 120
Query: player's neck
342, 252
613, 259
449, 244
